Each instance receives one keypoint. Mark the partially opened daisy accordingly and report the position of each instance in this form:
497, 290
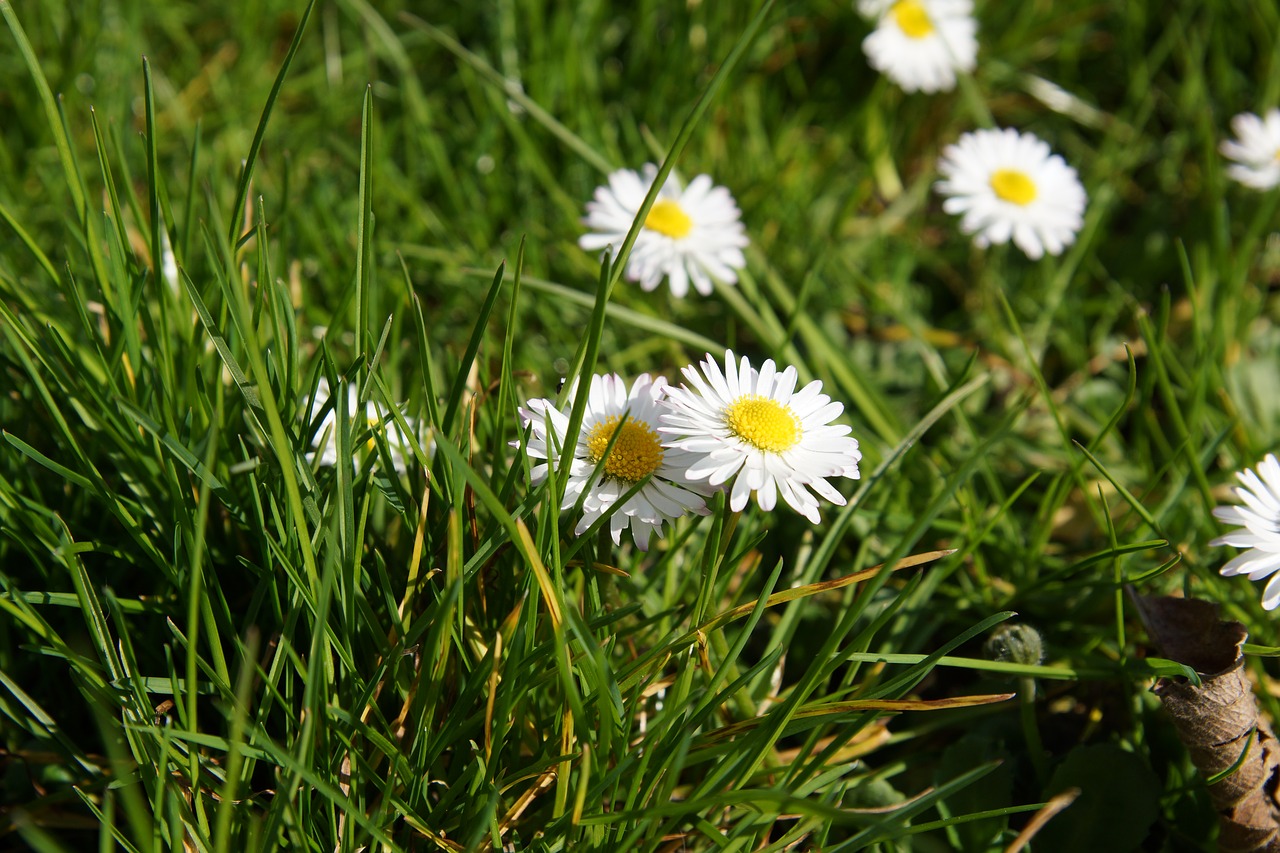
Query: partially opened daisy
752, 427
1010, 185
693, 234
629, 420
373, 417
1255, 150
921, 44
1259, 528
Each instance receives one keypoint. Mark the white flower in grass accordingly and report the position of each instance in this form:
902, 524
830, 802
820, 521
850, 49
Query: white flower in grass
636, 454
1256, 150
753, 427
921, 44
691, 234
1259, 523
1010, 185
372, 418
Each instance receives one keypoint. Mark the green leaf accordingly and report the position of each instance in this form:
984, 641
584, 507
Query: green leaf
1119, 801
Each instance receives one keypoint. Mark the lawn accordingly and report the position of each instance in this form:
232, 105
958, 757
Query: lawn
293, 311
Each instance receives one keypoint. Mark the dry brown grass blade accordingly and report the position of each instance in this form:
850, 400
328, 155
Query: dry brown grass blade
821, 586
513, 814
440, 841
865, 742
1046, 814
831, 709
530, 553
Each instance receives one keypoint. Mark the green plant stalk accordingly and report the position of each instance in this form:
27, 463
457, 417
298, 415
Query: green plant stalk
974, 102
63, 144
279, 437
364, 231
195, 592
1155, 346
251, 160
235, 742
1031, 728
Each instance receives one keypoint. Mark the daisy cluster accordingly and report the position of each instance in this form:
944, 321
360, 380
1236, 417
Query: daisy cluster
650, 453
1005, 185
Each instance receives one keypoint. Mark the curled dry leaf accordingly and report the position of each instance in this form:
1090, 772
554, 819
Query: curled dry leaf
1218, 720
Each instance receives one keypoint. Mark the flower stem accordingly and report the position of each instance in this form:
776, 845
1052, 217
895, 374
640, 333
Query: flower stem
1031, 728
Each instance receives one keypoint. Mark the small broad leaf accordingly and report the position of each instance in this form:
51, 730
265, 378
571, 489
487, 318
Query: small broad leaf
1118, 802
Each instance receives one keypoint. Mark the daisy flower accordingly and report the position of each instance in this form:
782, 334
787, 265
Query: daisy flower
921, 44
1257, 151
375, 417
636, 454
691, 234
1009, 184
753, 427
1259, 523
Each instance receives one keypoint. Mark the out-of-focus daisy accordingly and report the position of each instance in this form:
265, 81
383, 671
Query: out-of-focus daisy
1259, 523
691, 234
373, 417
753, 427
921, 44
1256, 150
636, 454
1009, 184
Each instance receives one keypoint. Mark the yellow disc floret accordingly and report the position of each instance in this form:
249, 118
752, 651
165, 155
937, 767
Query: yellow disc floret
764, 423
635, 454
912, 19
1013, 186
667, 217
375, 424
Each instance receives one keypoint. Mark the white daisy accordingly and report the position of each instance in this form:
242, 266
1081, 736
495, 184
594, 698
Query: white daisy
375, 417
1259, 522
1257, 151
921, 44
694, 234
637, 453
753, 427
1009, 184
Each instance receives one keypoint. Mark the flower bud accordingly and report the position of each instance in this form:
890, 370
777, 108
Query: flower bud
1015, 644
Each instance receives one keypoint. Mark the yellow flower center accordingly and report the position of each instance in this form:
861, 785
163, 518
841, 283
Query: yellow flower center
667, 217
635, 454
912, 19
1012, 185
764, 423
